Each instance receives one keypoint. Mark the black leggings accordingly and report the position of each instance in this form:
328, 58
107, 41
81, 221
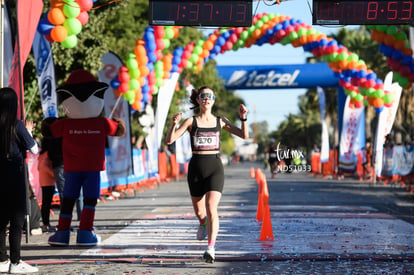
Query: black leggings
47, 197
205, 173
12, 208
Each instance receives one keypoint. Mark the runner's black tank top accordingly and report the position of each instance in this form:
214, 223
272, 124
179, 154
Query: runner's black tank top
205, 139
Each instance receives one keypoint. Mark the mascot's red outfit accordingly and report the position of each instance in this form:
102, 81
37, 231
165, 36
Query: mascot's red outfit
83, 136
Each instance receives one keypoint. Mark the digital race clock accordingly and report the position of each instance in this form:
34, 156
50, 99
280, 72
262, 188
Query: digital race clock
362, 12
220, 13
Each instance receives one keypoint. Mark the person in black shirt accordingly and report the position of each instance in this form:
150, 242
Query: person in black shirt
15, 140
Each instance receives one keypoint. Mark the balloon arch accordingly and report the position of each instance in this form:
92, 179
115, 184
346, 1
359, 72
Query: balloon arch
146, 68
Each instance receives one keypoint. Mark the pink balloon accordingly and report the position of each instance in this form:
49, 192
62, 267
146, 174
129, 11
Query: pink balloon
85, 5
83, 17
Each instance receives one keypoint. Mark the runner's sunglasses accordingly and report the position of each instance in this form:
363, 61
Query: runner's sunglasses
207, 96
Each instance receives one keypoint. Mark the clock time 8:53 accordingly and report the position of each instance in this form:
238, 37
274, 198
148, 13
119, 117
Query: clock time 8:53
363, 12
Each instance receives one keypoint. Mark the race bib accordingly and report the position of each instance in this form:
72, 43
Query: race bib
206, 141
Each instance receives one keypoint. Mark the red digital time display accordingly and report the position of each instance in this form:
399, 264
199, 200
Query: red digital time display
362, 12
220, 13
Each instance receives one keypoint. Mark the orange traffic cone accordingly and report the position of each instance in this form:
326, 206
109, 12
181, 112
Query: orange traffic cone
266, 233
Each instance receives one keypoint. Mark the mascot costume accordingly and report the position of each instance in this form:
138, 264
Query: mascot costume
83, 136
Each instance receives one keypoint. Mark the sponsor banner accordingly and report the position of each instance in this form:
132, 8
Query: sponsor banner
351, 140
277, 76
165, 95
324, 134
386, 121
28, 14
45, 75
120, 159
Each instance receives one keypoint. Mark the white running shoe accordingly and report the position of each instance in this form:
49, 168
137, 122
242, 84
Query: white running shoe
22, 268
209, 255
202, 232
5, 266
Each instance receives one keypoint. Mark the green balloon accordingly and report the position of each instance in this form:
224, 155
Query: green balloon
134, 72
382, 28
379, 93
301, 32
391, 30
265, 18
133, 84
239, 43
334, 57
359, 97
167, 43
259, 24
353, 94
169, 33
194, 58
343, 56
387, 98
363, 91
371, 92
70, 41
285, 41
72, 25
244, 35
198, 50
404, 82
353, 57
401, 36
293, 36
131, 63
130, 96
71, 10
159, 81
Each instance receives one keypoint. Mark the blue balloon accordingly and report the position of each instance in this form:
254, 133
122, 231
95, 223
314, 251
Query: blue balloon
225, 35
278, 27
362, 73
145, 89
115, 83
150, 67
174, 68
220, 41
314, 45
152, 57
323, 42
397, 55
45, 26
145, 97
307, 47
407, 60
379, 109
372, 76
332, 42
285, 24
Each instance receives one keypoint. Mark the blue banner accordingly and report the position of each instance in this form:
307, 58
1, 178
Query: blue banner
277, 76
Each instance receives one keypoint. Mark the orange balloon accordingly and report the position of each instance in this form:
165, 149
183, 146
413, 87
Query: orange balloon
208, 45
57, 3
303, 39
399, 45
143, 70
389, 40
342, 64
59, 33
56, 16
408, 51
295, 43
205, 53
378, 102
312, 37
141, 81
136, 105
256, 34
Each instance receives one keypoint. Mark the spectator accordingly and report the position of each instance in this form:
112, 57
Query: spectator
15, 140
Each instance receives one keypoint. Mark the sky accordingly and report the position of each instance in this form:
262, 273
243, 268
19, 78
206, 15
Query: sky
273, 105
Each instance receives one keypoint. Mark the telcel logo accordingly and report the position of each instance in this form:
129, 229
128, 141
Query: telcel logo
269, 79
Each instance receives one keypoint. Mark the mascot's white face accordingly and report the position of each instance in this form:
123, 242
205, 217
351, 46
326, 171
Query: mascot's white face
76, 109
82, 96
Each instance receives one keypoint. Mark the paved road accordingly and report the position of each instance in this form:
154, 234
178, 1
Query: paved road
319, 227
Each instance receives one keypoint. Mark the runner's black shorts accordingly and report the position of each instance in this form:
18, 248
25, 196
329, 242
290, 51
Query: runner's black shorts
205, 173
